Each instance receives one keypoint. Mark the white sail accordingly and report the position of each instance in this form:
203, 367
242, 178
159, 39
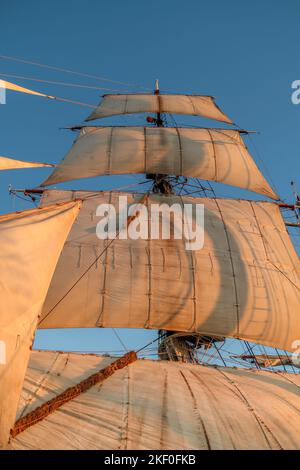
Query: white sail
194, 105
211, 154
243, 283
31, 242
11, 164
159, 405
12, 86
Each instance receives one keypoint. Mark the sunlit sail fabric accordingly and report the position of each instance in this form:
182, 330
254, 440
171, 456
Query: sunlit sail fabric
211, 154
14, 87
195, 105
11, 164
161, 402
243, 283
31, 242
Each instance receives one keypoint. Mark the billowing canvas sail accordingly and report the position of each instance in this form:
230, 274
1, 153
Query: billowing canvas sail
159, 405
211, 154
11, 164
194, 105
243, 283
31, 242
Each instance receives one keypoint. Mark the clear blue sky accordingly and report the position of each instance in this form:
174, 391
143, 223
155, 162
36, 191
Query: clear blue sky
246, 54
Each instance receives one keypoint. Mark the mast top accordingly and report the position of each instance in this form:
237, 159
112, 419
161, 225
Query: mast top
156, 90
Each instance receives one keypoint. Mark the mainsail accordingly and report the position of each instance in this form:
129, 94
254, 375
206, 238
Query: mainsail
159, 405
11, 164
193, 105
243, 283
212, 154
31, 242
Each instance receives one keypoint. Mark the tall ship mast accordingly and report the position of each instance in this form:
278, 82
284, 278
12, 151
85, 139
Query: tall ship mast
240, 285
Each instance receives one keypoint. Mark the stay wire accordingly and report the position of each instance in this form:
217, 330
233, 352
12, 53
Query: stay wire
120, 340
79, 279
66, 100
261, 160
52, 82
148, 344
60, 69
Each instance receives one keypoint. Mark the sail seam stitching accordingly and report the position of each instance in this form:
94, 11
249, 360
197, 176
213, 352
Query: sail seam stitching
149, 272
232, 267
124, 430
125, 104
258, 419
145, 149
164, 415
180, 150
100, 317
195, 405
193, 105
259, 229
109, 148
214, 154
194, 281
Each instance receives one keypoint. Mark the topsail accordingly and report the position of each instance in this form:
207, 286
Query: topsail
243, 283
212, 154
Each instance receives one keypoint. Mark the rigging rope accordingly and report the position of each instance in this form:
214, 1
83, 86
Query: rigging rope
17, 88
60, 69
51, 82
79, 279
16, 195
262, 162
276, 267
129, 220
80, 103
148, 344
120, 340
285, 275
